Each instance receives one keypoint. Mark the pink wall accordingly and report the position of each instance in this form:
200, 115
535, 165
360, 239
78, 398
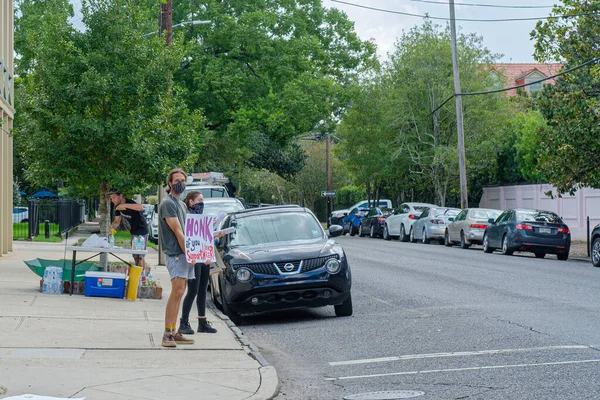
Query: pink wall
573, 209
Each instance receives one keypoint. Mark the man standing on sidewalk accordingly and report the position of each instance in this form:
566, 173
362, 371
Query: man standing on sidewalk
172, 212
129, 214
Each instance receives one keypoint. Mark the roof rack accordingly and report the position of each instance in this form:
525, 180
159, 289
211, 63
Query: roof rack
209, 178
259, 209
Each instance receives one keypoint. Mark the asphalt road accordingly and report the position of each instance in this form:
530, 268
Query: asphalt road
447, 322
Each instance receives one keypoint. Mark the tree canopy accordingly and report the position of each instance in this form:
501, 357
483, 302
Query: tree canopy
397, 133
569, 144
266, 71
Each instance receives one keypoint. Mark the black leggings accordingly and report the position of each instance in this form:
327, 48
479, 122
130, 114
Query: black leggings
196, 287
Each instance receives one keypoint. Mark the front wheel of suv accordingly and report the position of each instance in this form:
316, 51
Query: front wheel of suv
344, 309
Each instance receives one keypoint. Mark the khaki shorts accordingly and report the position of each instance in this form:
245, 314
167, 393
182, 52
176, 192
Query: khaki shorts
179, 268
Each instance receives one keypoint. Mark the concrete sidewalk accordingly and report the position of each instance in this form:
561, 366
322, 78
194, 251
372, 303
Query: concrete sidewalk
103, 348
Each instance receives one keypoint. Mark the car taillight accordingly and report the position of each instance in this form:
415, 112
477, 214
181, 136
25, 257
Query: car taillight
478, 226
524, 227
357, 215
412, 216
381, 219
437, 221
563, 230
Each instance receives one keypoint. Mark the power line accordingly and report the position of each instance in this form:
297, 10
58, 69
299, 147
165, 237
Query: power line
459, 19
585, 64
479, 5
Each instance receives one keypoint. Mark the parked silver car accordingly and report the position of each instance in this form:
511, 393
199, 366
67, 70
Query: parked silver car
468, 226
400, 223
432, 224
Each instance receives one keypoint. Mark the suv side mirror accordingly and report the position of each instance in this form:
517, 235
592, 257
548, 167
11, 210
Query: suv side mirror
451, 219
335, 231
491, 220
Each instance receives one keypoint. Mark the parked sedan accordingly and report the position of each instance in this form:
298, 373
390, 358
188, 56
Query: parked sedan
352, 220
431, 224
400, 223
372, 224
280, 258
537, 231
468, 226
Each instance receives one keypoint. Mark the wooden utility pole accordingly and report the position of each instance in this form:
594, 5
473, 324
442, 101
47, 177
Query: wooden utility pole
328, 168
165, 23
464, 199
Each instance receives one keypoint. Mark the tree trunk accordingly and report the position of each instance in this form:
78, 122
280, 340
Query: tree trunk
105, 220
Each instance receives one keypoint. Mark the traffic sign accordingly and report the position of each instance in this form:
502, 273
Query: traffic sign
328, 194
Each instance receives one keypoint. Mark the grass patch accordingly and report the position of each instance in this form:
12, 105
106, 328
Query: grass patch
21, 232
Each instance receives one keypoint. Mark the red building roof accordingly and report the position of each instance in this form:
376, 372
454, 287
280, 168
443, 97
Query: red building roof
515, 74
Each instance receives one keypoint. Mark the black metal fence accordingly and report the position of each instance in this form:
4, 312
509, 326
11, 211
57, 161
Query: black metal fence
48, 217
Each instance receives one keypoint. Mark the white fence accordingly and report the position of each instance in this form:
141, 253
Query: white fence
574, 210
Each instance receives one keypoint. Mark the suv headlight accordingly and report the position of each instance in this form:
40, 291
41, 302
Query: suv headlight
243, 275
333, 266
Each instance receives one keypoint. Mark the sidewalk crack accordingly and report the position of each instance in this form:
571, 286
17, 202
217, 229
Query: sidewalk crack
19, 324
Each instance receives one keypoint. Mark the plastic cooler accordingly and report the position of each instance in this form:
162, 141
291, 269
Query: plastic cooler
105, 284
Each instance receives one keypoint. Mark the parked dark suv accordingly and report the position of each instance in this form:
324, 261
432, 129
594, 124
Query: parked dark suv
280, 258
595, 250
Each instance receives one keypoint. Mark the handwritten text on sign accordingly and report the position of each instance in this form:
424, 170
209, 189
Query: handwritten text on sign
199, 242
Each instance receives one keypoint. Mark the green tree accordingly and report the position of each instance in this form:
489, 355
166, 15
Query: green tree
367, 141
266, 71
312, 179
420, 72
569, 144
99, 107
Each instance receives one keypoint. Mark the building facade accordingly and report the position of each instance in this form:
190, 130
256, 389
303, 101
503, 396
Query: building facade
509, 75
7, 112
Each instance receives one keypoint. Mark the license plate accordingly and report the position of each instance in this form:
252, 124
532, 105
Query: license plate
545, 230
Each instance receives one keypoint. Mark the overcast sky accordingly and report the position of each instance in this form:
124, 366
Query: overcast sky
508, 38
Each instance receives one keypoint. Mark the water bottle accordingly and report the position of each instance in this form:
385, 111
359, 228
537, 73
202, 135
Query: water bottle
59, 278
45, 282
111, 241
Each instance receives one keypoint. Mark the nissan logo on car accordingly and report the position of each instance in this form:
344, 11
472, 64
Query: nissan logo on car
289, 267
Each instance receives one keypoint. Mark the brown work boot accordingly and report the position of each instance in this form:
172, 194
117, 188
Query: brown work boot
168, 341
180, 339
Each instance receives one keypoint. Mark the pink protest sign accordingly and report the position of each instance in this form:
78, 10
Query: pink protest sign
199, 242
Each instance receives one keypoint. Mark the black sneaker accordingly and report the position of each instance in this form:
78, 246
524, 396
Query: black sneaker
185, 328
205, 326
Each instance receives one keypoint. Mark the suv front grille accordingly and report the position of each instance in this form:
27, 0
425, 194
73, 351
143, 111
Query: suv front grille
279, 267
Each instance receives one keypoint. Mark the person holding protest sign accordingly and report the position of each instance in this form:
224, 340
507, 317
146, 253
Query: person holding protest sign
129, 214
196, 287
172, 212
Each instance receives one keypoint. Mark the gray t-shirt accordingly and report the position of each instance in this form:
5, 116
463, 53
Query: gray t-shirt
170, 207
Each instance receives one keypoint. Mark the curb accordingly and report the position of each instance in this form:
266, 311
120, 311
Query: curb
269, 382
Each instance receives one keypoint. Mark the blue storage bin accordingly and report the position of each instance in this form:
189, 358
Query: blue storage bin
105, 284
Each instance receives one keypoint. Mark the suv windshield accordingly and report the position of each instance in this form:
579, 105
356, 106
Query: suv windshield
273, 228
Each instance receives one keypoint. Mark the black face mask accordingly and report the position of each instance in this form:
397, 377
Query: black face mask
197, 208
178, 187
